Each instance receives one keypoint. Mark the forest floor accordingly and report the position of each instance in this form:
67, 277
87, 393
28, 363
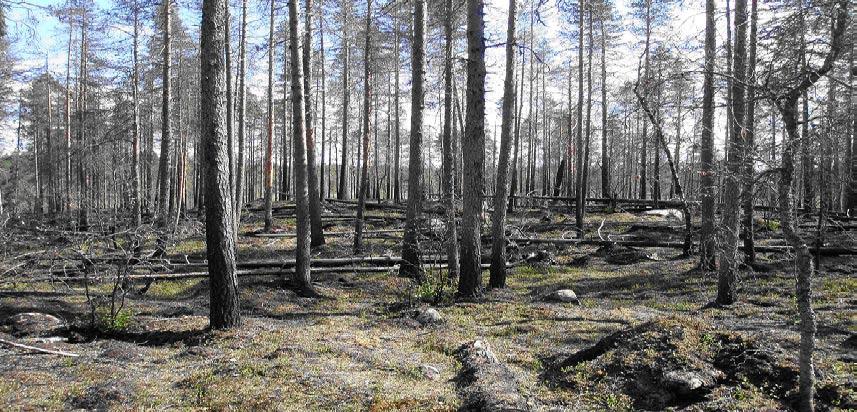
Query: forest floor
360, 348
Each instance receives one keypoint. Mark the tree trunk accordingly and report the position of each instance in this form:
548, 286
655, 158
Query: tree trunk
219, 223
448, 151
135, 145
578, 144
166, 129
748, 195
605, 158
411, 266
470, 281
498, 219
242, 118
707, 181
397, 180
728, 272
364, 161
342, 191
269, 148
317, 235
302, 256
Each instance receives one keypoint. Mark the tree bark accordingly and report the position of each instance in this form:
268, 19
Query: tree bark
448, 150
269, 147
707, 181
135, 144
605, 157
748, 195
242, 117
728, 271
219, 223
166, 127
317, 234
578, 143
497, 278
470, 281
364, 161
411, 266
342, 191
302, 257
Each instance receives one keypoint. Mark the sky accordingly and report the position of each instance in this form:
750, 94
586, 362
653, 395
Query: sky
39, 38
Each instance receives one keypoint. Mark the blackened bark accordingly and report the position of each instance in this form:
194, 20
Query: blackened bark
166, 126
317, 235
411, 266
364, 161
302, 257
728, 271
497, 278
268, 174
220, 241
448, 151
707, 181
473, 145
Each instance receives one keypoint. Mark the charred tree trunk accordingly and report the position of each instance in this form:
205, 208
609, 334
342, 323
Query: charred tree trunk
317, 235
269, 147
364, 161
707, 184
302, 257
498, 219
470, 281
411, 266
219, 223
448, 151
166, 129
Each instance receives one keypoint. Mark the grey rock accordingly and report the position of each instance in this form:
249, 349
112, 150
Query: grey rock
563, 296
428, 316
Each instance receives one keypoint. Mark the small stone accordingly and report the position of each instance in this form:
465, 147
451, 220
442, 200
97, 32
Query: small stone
430, 372
35, 324
682, 382
563, 296
428, 316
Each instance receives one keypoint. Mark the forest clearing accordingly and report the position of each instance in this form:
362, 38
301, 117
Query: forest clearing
503, 205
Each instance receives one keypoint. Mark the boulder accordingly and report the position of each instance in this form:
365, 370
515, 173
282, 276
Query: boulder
35, 324
563, 296
428, 316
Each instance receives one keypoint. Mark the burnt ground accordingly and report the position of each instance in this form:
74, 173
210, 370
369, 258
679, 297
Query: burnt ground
358, 348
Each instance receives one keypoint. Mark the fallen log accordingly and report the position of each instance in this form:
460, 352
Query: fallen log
331, 234
239, 273
825, 251
37, 349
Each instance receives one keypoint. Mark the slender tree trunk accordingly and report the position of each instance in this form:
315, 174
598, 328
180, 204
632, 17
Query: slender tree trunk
580, 191
317, 235
342, 190
605, 158
82, 165
470, 281
322, 175
728, 271
397, 180
748, 195
302, 256
135, 145
269, 148
242, 118
411, 266
364, 162
498, 219
67, 161
707, 243
448, 151
166, 129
